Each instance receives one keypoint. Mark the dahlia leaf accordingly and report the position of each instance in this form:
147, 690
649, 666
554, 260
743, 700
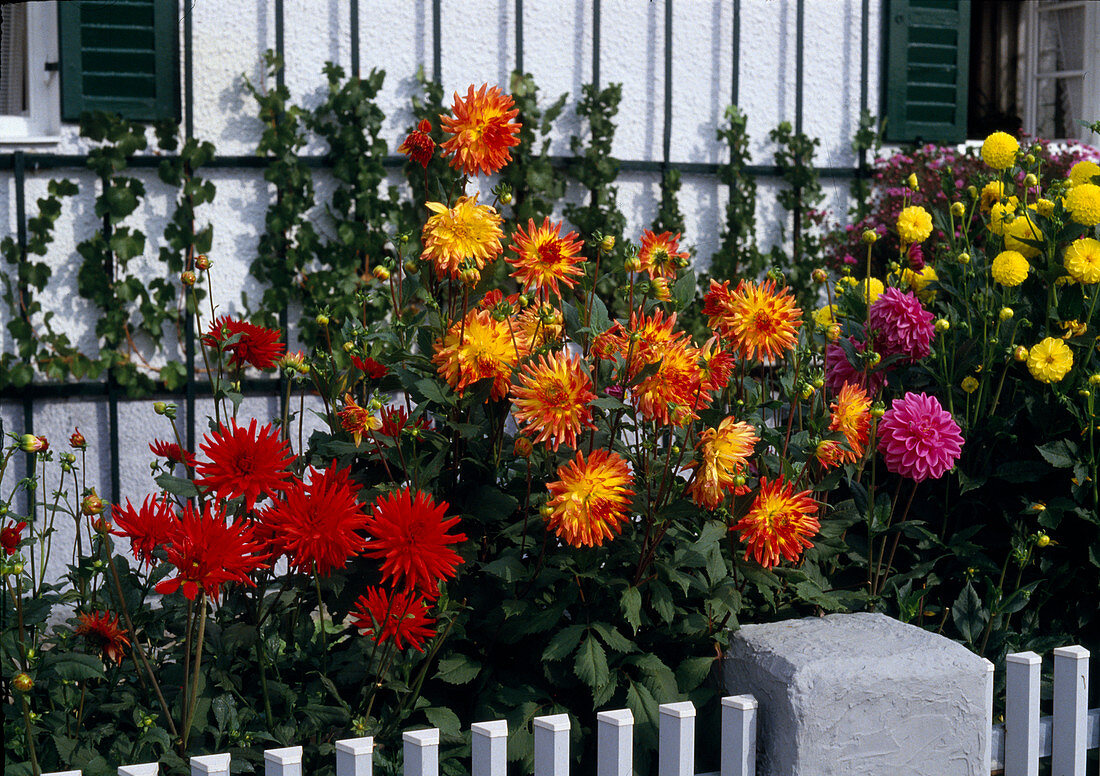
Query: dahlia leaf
631, 605
1061, 454
75, 666
563, 643
450, 728
612, 638
683, 292
692, 672
457, 669
968, 614
591, 664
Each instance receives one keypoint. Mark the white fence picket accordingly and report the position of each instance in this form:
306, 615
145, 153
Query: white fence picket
739, 735
1021, 737
987, 725
615, 743
676, 739
552, 745
210, 765
141, 769
283, 762
353, 757
489, 748
421, 749
62, 773
1071, 695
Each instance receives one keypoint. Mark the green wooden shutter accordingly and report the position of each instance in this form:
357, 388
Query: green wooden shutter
120, 56
927, 70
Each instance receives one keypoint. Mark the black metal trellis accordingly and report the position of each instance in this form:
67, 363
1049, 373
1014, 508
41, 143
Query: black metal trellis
20, 162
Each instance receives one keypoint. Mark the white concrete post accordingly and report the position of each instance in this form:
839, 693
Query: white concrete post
1071, 695
283, 762
210, 765
552, 745
489, 748
353, 757
421, 748
739, 735
141, 769
615, 743
676, 739
1022, 714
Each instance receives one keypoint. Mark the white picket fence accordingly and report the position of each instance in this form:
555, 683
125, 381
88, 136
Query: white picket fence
1016, 746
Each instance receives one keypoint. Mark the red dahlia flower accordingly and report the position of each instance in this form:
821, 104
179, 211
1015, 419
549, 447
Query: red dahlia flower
400, 617
172, 452
410, 533
419, 145
102, 629
207, 551
146, 528
11, 536
244, 463
257, 346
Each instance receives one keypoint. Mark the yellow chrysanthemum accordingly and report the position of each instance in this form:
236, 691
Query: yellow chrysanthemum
723, 454
544, 258
999, 150
1083, 260
918, 281
482, 130
870, 289
551, 400
467, 232
914, 224
969, 384
477, 348
825, 317
1000, 212
589, 502
1023, 227
1050, 360
1010, 268
992, 193
1083, 172
778, 523
1083, 204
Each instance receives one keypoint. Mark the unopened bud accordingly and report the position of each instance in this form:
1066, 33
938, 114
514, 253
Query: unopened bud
29, 443
1005, 313
22, 682
1030, 180
878, 409
912, 183
1094, 379
958, 209
819, 275
523, 447
77, 440
872, 358
381, 273
964, 258
321, 320
412, 267
1029, 159
833, 332
187, 278
869, 237
1020, 353
546, 511
607, 244
92, 504
1042, 540
943, 325
633, 264
202, 262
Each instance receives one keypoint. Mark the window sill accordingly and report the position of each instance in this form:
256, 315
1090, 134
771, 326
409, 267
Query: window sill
30, 140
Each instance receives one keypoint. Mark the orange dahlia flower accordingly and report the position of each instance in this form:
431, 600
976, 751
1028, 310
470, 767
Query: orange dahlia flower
482, 130
468, 233
589, 501
479, 347
357, 420
552, 398
419, 145
536, 327
660, 254
852, 417
756, 318
723, 454
777, 524
674, 393
544, 258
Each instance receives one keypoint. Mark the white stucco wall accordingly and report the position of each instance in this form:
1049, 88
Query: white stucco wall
478, 45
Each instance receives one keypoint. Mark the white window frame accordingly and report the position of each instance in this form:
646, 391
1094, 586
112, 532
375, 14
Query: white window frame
1090, 92
42, 124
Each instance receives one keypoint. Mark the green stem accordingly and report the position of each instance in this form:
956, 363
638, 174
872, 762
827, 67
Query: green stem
195, 677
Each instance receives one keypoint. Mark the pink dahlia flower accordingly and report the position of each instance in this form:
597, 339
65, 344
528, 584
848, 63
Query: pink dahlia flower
901, 325
918, 438
839, 371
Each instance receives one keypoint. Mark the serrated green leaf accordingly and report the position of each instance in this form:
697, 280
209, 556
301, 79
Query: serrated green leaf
692, 671
458, 669
969, 616
1061, 453
612, 638
450, 728
563, 643
631, 604
177, 486
74, 666
591, 664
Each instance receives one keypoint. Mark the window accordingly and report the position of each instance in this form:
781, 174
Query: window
29, 81
1060, 88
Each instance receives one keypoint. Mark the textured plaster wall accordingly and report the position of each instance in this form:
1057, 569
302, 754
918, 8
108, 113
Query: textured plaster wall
478, 45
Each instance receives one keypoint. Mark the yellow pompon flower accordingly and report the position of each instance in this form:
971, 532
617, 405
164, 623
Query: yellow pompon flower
466, 231
1082, 260
764, 321
660, 254
357, 420
969, 384
1023, 227
723, 454
551, 400
999, 150
1083, 204
1000, 212
914, 224
918, 281
992, 193
674, 393
825, 317
1010, 268
482, 130
778, 523
478, 348
1083, 172
1050, 360
591, 498
544, 258
1044, 207
870, 289
852, 417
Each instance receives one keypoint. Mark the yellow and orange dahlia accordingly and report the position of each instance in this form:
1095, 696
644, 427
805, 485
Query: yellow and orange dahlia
756, 318
674, 393
479, 347
467, 234
482, 130
723, 454
778, 523
660, 254
590, 499
544, 258
551, 400
852, 418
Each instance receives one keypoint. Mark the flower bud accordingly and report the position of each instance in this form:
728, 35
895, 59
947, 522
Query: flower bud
29, 443
869, 237
102, 526
546, 511
202, 262
833, 332
1094, 379
1042, 540
739, 481
878, 409
607, 244
321, 320
1030, 180
958, 209
187, 278
1029, 159
1020, 353
964, 258
819, 383
972, 191
872, 357
1005, 313
22, 682
160, 407
943, 325
381, 273
92, 504
633, 264
412, 267
912, 183
819, 275
77, 440
523, 447
969, 384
